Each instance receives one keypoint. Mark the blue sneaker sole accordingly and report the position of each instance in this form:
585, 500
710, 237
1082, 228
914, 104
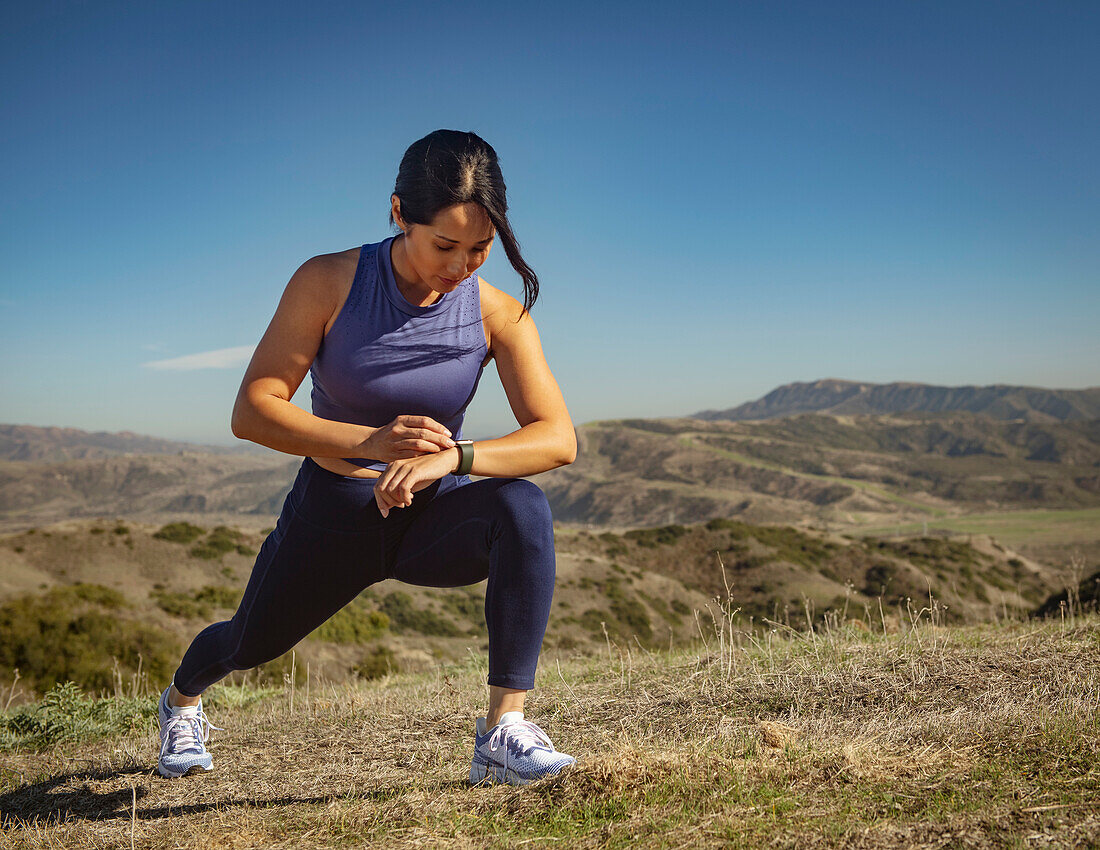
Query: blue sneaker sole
193, 770
491, 774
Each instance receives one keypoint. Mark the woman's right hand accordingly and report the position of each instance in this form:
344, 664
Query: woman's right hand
407, 436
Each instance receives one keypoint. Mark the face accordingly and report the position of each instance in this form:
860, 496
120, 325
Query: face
435, 258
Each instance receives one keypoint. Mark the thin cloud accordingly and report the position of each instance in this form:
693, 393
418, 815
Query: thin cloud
222, 358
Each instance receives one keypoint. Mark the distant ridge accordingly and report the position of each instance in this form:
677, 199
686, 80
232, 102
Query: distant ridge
835, 396
52, 444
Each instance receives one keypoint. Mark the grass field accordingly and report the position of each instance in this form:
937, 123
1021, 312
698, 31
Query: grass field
847, 736
1012, 527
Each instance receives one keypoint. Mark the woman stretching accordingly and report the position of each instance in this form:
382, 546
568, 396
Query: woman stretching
396, 335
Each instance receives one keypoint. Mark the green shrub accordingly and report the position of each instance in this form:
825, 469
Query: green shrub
120, 529
378, 662
219, 596
653, 537
593, 618
219, 541
180, 604
76, 634
97, 594
353, 624
404, 617
631, 619
467, 608
96, 530
179, 532
67, 715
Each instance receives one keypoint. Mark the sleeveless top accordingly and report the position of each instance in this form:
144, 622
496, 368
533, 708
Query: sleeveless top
384, 356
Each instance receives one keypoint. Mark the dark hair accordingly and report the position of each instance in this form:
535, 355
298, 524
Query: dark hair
450, 167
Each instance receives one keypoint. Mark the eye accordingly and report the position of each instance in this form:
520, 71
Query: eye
444, 247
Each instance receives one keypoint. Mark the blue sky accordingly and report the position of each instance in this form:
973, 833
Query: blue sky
718, 199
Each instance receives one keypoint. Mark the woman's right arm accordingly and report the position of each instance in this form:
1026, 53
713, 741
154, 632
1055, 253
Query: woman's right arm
263, 412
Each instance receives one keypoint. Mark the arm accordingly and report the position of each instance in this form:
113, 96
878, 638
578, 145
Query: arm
263, 412
545, 439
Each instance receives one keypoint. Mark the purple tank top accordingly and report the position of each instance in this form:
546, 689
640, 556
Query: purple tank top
384, 356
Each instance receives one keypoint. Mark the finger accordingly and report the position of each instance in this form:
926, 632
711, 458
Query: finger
401, 487
385, 479
437, 439
428, 423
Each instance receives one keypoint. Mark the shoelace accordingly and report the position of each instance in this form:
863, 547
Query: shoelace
187, 729
522, 732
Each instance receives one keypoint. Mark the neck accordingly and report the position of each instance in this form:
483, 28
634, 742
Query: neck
403, 276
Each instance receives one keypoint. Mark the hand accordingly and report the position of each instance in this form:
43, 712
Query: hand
404, 477
407, 436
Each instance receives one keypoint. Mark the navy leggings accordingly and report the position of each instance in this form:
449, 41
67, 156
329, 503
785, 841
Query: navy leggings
331, 542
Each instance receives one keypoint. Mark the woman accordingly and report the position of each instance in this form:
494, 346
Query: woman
396, 335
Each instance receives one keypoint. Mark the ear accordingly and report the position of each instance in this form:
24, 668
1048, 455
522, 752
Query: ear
395, 211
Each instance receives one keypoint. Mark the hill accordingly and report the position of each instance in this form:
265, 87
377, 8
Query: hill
846, 470
845, 736
999, 401
808, 469
139, 589
35, 443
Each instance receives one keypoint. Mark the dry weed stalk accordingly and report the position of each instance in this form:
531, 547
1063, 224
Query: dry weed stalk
11, 691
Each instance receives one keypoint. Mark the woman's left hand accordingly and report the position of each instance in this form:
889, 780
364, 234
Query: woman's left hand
405, 476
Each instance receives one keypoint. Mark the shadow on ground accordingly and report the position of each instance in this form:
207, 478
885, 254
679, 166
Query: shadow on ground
54, 800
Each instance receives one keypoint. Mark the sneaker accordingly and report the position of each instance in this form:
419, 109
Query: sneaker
515, 751
184, 731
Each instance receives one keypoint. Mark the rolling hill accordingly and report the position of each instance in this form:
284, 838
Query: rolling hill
999, 401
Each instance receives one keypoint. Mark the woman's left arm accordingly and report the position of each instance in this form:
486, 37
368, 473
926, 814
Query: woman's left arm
545, 439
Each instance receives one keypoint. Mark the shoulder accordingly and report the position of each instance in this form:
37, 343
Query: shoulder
502, 316
498, 308
325, 279
326, 269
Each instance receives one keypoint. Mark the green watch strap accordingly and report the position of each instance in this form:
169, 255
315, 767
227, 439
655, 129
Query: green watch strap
465, 456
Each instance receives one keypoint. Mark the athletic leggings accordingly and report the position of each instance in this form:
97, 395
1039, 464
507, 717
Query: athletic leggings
331, 542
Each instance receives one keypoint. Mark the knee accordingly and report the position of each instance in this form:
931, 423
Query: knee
524, 505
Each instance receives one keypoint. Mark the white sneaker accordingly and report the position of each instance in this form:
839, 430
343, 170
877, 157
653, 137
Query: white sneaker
184, 731
515, 751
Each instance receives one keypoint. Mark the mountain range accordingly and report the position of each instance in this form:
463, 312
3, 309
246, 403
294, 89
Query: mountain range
810, 467
998, 401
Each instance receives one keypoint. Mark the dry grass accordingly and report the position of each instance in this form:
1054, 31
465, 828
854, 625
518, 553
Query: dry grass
848, 737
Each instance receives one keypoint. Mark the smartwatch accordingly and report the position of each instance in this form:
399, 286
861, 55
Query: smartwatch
465, 456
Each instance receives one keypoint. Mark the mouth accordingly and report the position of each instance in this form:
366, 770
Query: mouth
448, 280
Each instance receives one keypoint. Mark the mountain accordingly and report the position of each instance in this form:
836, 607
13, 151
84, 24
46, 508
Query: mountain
840, 469
999, 401
805, 469
34, 443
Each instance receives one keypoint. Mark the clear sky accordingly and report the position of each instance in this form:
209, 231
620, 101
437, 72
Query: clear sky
718, 198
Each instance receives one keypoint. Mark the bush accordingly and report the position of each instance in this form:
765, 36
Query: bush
353, 624
219, 596
631, 619
221, 540
398, 606
468, 608
66, 714
653, 537
76, 634
180, 604
378, 662
179, 532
